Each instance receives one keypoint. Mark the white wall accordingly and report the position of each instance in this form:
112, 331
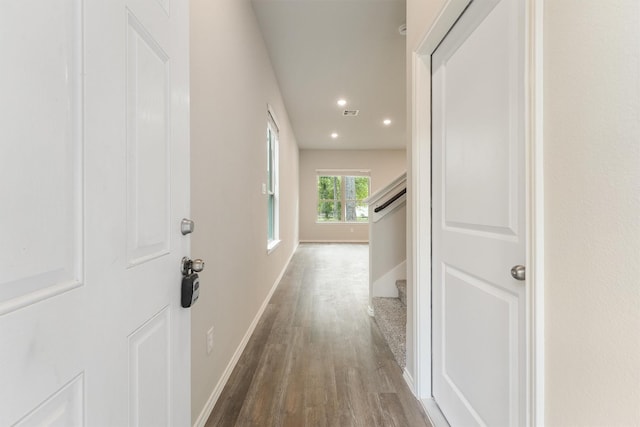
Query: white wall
592, 187
389, 250
231, 83
385, 165
592, 207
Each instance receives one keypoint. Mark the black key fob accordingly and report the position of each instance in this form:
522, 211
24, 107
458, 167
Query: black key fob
190, 289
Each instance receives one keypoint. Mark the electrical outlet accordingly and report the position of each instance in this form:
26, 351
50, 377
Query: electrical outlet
210, 340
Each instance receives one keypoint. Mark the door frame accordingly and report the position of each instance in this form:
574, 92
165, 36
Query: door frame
420, 192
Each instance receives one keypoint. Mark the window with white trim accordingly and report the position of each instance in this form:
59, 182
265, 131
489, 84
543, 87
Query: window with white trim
272, 182
341, 196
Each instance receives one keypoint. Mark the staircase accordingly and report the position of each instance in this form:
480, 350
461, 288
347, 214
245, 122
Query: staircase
391, 317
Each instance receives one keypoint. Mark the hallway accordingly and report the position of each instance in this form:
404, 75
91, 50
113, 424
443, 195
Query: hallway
316, 358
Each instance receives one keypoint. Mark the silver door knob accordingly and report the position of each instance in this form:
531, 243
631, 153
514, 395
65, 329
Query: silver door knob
518, 272
188, 266
197, 265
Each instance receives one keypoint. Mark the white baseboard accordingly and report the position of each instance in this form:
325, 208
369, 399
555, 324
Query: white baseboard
213, 398
409, 380
434, 414
334, 241
430, 406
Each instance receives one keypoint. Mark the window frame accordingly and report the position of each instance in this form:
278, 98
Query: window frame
272, 185
343, 174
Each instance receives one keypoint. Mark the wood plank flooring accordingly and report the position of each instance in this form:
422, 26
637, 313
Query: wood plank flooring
316, 358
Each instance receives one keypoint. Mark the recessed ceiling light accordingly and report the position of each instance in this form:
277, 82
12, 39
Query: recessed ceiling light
386, 122
334, 135
342, 102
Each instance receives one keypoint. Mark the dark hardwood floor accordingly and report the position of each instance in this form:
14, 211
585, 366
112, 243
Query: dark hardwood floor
316, 358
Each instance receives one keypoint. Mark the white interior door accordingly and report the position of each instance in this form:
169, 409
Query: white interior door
94, 181
479, 217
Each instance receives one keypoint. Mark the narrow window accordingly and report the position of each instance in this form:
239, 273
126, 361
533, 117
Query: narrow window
272, 182
356, 190
329, 198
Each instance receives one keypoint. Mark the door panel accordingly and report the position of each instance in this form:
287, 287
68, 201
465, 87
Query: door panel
150, 372
478, 217
479, 184
64, 408
147, 140
477, 318
96, 179
40, 209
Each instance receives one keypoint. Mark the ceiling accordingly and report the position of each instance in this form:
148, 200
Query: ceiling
324, 50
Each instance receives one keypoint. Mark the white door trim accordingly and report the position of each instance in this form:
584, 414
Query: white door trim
420, 192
